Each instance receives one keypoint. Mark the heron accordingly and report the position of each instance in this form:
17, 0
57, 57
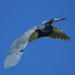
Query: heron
38, 31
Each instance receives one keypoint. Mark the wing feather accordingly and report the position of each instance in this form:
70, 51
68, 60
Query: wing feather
15, 51
57, 33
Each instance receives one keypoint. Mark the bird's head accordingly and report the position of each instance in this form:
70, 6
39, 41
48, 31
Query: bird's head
51, 21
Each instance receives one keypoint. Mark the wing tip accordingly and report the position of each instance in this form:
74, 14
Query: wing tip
11, 60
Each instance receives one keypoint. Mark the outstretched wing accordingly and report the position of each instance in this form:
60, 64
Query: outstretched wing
17, 47
57, 33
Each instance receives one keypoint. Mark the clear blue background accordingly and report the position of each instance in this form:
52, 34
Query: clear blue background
43, 56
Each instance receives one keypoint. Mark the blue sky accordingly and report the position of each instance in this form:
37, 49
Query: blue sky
43, 56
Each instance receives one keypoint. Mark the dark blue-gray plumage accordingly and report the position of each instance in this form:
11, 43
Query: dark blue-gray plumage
18, 46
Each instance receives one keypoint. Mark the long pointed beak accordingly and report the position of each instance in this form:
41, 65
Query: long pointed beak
56, 20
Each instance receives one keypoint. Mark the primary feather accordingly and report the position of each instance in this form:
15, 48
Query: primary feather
57, 33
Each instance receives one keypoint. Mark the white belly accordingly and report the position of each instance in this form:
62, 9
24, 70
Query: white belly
33, 37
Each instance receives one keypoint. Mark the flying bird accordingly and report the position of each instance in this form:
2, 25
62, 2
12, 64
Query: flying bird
18, 46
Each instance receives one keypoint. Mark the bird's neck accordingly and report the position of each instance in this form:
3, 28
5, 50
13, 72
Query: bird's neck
45, 32
48, 27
